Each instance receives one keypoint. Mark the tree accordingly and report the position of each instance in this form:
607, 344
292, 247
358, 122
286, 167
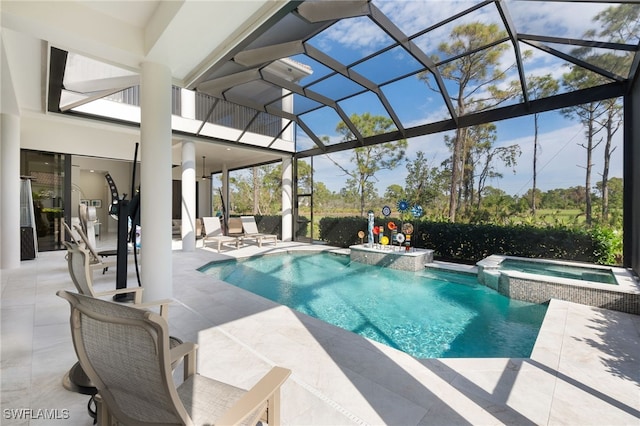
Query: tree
506, 154
476, 76
498, 203
369, 160
587, 114
539, 87
305, 176
424, 183
257, 190
613, 121
321, 195
618, 23
394, 192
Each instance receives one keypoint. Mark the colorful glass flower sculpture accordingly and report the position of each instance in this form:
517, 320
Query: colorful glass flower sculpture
403, 205
416, 211
407, 228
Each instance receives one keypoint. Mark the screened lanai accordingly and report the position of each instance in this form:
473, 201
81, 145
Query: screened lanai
313, 64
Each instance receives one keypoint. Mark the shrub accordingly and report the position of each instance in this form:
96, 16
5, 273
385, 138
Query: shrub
469, 243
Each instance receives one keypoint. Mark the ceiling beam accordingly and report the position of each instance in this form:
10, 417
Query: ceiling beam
394, 32
511, 30
579, 42
266, 54
332, 10
574, 60
217, 87
341, 69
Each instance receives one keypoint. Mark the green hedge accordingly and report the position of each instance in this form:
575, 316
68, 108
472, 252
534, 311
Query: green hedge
469, 243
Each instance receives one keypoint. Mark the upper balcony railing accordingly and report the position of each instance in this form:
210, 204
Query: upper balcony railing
212, 110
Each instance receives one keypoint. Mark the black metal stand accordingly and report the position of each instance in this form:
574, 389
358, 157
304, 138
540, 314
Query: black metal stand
123, 252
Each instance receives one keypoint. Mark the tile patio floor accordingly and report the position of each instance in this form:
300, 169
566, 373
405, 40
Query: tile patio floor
584, 370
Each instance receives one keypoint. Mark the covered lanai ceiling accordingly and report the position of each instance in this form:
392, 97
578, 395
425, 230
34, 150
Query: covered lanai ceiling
378, 56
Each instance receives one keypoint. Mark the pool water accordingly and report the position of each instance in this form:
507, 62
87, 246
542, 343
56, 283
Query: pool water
427, 314
602, 276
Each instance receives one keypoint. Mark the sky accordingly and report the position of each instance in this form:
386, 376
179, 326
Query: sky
561, 159
560, 164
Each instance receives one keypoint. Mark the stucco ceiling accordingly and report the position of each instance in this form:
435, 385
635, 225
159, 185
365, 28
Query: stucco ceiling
188, 36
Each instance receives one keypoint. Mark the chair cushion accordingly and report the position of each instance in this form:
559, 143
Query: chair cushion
211, 396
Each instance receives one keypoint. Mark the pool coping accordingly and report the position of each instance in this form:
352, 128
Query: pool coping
568, 379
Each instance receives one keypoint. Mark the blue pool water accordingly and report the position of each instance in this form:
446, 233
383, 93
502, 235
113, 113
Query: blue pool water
427, 314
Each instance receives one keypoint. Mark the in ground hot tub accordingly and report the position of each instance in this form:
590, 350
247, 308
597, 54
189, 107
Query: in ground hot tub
540, 280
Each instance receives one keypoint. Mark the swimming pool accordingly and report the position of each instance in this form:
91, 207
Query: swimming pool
427, 314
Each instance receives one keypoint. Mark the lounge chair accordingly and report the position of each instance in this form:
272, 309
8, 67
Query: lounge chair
235, 227
126, 353
251, 232
213, 232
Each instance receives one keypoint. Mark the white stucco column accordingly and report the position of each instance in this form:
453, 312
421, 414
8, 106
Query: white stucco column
155, 181
9, 191
287, 199
188, 202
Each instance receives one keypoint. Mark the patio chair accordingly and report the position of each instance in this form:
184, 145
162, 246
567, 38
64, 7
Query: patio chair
251, 231
99, 259
213, 232
126, 353
78, 260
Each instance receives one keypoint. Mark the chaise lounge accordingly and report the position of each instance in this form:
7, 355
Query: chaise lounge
251, 232
213, 233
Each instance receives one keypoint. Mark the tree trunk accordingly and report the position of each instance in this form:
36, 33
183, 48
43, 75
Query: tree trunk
605, 171
456, 173
256, 192
587, 183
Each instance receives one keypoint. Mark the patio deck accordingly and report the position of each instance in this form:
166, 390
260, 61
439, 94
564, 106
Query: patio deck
583, 370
